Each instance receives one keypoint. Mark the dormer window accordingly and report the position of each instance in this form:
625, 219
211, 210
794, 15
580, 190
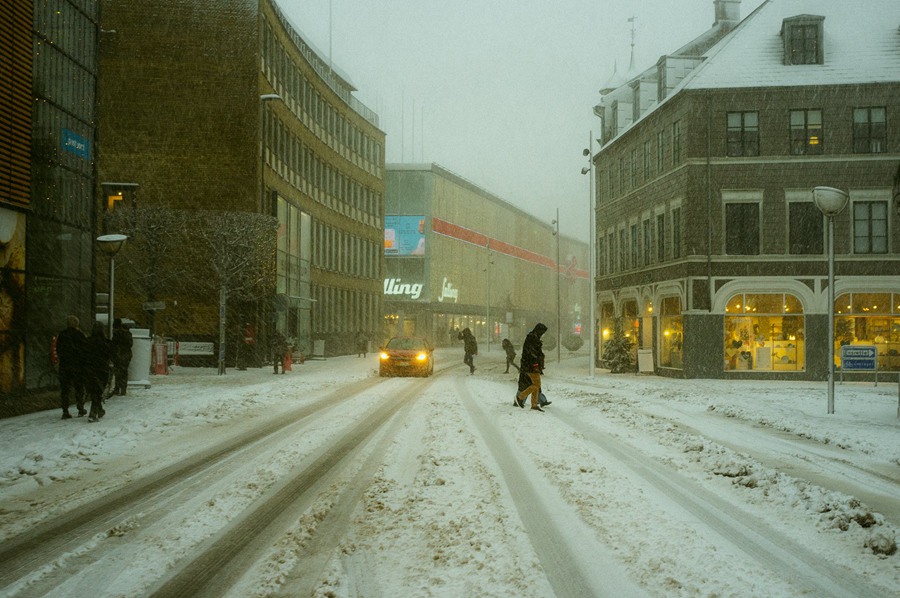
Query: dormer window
803, 39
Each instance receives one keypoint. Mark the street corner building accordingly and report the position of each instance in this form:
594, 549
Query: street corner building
712, 254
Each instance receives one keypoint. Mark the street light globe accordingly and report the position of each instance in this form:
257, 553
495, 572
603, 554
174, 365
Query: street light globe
111, 244
829, 200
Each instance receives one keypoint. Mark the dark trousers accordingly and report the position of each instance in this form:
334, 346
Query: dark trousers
95, 385
71, 381
469, 360
121, 371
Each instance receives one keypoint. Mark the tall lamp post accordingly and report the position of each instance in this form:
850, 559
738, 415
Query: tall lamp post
558, 332
830, 202
593, 255
263, 98
487, 301
111, 245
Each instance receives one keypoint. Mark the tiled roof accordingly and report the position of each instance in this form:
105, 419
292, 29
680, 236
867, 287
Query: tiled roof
861, 43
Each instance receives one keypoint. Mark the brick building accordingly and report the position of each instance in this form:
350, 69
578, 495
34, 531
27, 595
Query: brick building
710, 249
224, 105
457, 256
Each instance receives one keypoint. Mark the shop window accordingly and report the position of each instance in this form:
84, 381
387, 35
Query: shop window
671, 352
869, 319
764, 332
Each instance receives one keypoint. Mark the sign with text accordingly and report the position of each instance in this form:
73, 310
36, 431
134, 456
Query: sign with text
74, 143
858, 358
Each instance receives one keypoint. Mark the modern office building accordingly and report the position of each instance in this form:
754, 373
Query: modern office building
457, 256
710, 248
224, 105
48, 133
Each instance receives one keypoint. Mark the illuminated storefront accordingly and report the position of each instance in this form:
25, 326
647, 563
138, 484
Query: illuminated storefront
671, 350
869, 319
764, 331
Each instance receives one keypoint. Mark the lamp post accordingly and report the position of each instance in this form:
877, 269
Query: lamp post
592, 274
263, 98
830, 202
558, 333
487, 301
111, 245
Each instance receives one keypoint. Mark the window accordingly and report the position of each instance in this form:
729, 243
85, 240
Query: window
648, 241
743, 134
623, 264
660, 151
635, 248
676, 233
742, 228
870, 227
803, 39
869, 132
621, 175
869, 318
647, 160
660, 237
676, 142
764, 331
634, 168
611, 251
805, 229
671, 325
806, 132
601, 255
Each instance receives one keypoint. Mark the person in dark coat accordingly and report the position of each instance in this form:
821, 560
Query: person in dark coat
70, 347
122, 343
362, 344
98, 356
279, 349
510, 355
470, 346
532, 364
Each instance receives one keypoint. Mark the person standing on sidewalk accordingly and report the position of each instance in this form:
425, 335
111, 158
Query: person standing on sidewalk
70, 347
532, 365
122, 342
98, 357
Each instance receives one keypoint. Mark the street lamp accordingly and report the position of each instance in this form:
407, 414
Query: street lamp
111, 245
591, 259
830, 202
487, 274
558, 334
263, 98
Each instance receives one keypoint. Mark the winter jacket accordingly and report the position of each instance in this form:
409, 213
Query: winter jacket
470, 345
70, 347
122, 342
98, 356
532, 352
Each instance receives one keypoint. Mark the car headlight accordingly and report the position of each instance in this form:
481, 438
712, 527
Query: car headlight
421, 357
385, 356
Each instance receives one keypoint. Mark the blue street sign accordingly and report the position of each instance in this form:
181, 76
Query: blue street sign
858, 358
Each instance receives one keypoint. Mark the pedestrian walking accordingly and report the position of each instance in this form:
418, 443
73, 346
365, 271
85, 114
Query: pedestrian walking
98, 358
532, 365
470, 346
362, 344
122, 342
70, 348
510, 355
279, 349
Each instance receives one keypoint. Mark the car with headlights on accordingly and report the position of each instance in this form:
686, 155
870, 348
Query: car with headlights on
406, 356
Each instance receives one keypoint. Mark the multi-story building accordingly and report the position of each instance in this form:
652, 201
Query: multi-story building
224, 105
457, 257
47, 179
710, 248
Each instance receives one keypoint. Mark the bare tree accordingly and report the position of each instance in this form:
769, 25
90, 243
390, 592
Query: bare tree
241, 250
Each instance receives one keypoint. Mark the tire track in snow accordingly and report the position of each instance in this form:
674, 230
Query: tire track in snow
573, 560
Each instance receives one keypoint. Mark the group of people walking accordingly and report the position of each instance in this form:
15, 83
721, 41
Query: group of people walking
530, 367
87, 362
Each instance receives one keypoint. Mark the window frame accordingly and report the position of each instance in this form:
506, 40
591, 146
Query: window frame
865, 144
869, 237
801, 137
743, 140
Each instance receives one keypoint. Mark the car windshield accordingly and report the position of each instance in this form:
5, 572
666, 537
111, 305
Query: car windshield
408, 344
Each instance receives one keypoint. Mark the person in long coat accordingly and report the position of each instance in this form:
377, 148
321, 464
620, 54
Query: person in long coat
70, 347
470, 346
98, 357
122, 342
510, 354
532, 365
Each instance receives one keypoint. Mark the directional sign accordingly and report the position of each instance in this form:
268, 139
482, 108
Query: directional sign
858, 358
154, 305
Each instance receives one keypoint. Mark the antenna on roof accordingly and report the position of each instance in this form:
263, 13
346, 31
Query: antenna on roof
631, 63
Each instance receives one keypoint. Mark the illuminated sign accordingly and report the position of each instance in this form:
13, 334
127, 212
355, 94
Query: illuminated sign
396, 286
76, 144
448, 292
404, 235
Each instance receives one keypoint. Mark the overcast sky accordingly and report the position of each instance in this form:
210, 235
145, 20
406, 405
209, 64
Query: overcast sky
499, 92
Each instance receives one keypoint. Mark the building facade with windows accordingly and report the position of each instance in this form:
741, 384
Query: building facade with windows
247, 116
47, 181
457, 256
710, 250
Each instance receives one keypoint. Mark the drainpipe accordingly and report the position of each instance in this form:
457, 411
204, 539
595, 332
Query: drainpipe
709, 201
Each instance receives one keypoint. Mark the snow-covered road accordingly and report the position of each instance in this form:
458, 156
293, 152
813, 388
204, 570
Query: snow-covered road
333, 482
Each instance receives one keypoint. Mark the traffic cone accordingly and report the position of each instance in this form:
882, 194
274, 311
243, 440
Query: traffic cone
286, 363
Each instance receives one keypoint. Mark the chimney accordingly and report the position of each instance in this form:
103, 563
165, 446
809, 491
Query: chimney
727, 11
